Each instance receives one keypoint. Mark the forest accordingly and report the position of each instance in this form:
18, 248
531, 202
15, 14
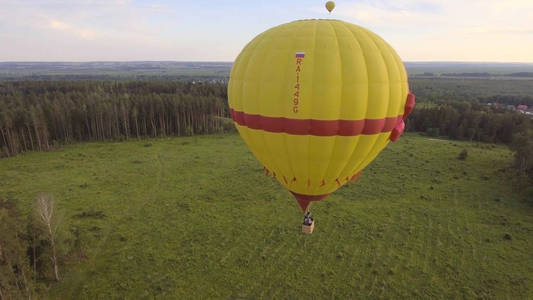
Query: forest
468, 121
503, 91
40, 115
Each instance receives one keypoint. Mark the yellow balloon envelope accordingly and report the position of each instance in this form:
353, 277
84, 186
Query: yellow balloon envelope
316, 101
330, 5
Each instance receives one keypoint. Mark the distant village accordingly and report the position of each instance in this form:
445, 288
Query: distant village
522, 108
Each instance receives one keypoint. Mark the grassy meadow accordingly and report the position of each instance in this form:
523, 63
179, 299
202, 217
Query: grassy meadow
195, 217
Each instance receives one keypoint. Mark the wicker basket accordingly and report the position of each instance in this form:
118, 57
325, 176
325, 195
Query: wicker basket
308, 229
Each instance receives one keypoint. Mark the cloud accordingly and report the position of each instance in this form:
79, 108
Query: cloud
451, 14
54, 24
481, 30
485, 30
81, 33
82, 15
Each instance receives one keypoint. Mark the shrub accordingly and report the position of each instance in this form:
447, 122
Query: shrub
15, 271
463, 155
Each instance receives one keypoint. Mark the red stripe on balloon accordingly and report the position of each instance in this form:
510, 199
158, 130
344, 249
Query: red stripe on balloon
315, 127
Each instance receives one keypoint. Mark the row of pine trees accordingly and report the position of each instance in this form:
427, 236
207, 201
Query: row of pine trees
468, 121
40, 115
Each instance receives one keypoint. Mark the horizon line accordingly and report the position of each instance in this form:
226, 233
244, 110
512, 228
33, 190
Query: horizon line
225, 61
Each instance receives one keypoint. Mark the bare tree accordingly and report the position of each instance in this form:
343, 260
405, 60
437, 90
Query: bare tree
47, 216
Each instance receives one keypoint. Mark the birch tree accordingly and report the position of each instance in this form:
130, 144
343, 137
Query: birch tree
46, 214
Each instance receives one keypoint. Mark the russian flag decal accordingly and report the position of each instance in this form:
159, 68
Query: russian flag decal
300, 54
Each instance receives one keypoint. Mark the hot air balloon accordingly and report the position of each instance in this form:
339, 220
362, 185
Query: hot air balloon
316, 101
330, 5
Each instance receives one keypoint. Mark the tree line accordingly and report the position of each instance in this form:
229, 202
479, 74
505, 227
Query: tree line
36, 115
522, 146
473, 121
468, 121
442, 90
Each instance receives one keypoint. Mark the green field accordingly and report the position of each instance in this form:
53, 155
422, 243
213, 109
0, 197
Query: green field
196, 218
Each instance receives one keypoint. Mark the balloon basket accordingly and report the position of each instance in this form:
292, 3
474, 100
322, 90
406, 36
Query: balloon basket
308, 229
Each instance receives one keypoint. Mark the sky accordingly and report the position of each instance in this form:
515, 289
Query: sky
217, 30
